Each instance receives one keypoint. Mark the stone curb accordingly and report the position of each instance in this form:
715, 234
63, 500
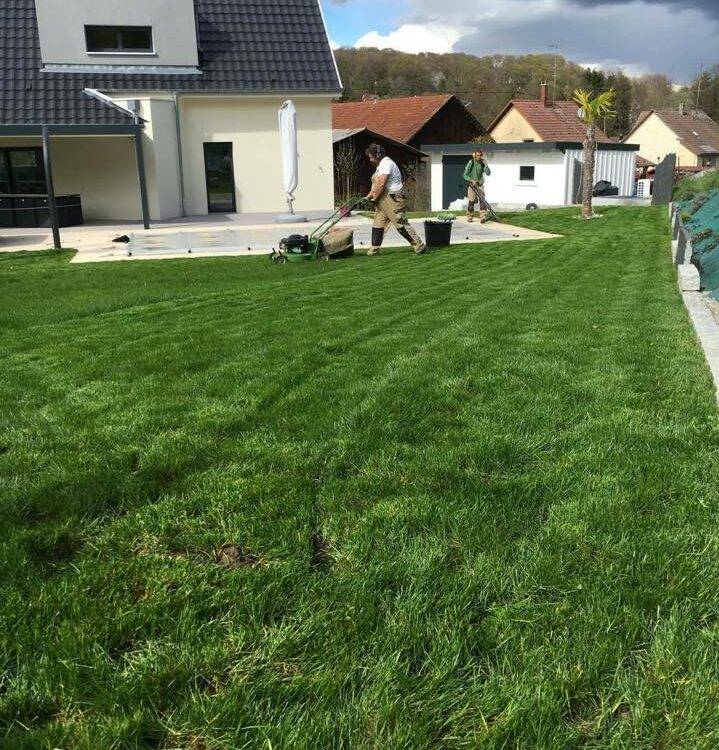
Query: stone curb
705, 324
707, 330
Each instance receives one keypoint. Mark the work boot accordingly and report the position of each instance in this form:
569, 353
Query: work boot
483, 218
420, 249
470, 218
373, 251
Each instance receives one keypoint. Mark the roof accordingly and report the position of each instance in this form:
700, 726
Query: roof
553, 122
468, 148
642, 162
342, 134
695, 130
400, 119
248, 46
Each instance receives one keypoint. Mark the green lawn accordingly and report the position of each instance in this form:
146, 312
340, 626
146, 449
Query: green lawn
475, 494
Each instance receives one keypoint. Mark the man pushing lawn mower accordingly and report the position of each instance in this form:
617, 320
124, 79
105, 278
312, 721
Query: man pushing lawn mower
474, 174
388, 197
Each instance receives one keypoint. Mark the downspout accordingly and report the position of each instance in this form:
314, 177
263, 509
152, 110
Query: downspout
180, 168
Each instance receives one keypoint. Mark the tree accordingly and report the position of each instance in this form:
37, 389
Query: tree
594, 80
620, 125
592, 109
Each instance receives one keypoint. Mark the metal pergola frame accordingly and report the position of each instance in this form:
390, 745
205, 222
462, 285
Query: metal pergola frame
47, 131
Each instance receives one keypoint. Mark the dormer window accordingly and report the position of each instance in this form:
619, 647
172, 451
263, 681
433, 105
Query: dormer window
122, 40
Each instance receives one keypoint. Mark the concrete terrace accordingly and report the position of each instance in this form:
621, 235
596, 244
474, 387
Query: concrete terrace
224, 234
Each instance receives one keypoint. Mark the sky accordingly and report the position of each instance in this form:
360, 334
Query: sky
674, 37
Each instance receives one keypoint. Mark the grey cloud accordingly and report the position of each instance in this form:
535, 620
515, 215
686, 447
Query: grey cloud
659, 36
708, 7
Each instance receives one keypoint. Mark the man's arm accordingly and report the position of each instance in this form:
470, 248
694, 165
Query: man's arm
487, 170
378, 185
467, 170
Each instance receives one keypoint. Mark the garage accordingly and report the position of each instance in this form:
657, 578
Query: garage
545, 174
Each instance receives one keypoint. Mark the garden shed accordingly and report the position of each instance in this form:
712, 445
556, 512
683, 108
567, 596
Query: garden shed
546, 174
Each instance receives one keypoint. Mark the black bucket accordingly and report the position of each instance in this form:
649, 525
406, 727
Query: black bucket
437, 233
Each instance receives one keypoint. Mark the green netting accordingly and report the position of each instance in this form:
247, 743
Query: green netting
701, 219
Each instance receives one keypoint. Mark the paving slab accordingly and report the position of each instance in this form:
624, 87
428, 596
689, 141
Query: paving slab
262, 240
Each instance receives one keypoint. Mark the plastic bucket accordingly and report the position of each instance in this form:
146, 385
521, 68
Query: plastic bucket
437, 233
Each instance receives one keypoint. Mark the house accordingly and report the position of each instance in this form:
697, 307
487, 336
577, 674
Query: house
692, 135
406, 122
545, 174
540, 121
353, 171
413, 120
162, 108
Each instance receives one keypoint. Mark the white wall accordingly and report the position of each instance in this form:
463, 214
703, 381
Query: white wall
504, 188
159, 142
62, 30
251, 125
435, 181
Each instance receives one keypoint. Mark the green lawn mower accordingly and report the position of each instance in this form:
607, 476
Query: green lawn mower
317, 246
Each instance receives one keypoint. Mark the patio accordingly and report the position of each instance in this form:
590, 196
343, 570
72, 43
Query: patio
223, 234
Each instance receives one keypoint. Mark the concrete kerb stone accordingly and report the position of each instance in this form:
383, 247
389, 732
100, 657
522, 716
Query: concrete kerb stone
688, 278
707, 330
683, 252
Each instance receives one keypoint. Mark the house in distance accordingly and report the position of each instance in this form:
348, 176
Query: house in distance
692, 135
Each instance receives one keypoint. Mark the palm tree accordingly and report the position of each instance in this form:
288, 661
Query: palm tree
591, 109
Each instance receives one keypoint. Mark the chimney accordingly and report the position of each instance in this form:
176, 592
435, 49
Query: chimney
543, 100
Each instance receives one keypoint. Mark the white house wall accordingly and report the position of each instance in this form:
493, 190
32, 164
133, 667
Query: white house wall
159, 141
504, 188
61, 26
251, 125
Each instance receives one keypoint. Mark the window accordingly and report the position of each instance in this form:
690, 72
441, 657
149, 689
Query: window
21, 171
119, 39
526, 174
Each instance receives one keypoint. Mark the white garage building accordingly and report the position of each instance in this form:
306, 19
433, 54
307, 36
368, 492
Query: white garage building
546, 174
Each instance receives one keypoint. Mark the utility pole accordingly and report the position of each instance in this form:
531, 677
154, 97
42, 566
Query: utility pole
699, 86
555, 47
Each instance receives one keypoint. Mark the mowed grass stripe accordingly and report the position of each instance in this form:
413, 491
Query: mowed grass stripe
511, 487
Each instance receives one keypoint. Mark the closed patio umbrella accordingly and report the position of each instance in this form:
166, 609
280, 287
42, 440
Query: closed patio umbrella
288, 142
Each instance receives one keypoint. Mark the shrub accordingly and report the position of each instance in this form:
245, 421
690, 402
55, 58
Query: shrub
692, 186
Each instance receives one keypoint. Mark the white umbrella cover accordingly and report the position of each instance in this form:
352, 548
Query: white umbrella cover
288, 139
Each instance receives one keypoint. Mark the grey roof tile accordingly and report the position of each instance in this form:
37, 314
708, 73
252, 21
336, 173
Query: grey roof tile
247, 46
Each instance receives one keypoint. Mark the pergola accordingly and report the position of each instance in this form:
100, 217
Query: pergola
47, 131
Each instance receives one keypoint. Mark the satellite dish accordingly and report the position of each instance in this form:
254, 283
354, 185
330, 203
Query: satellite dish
580, 113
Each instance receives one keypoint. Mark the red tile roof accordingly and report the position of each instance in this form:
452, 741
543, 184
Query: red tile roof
695, 129
396, 118
555, 122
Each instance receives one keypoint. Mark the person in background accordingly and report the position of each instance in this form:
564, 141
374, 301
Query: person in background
474, 174
389, 199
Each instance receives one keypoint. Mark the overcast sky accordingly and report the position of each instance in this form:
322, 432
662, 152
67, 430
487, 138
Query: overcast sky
641, 36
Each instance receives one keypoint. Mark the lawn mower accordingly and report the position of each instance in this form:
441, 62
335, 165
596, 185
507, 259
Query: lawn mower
312, 247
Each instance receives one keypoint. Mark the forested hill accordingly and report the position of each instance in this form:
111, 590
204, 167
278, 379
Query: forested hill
486, 83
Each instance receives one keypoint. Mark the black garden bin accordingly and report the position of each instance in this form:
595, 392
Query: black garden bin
437, 233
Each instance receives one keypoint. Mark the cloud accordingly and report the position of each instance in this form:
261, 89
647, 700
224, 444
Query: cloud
638, 36
412, 37
631, 69
708, 7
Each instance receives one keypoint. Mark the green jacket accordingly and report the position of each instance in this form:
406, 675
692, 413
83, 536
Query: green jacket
475, 171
